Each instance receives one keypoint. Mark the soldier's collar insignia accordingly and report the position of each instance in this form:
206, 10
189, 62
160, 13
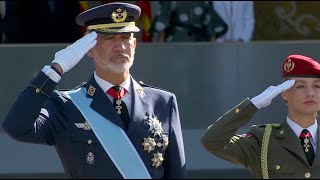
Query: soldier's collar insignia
155, 126
157, 159
140, 91
91, 90
119, 15
289, 65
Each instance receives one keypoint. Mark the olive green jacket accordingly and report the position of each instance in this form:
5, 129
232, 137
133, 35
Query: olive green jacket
284, 154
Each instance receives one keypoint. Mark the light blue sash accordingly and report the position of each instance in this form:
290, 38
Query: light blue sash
113, 139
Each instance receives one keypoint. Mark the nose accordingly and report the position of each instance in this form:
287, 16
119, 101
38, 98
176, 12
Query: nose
119, 45
309, 92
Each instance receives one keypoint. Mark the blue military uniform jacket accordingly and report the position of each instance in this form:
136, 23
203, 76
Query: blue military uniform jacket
43, 115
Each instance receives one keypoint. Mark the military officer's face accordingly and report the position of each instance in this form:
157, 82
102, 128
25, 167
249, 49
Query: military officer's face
114, 53
304, 96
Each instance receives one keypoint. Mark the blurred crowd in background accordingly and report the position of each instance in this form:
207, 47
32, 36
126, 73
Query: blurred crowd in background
41, 21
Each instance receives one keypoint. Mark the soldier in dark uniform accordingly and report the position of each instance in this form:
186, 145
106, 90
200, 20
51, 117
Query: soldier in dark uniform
276, 150
111, 126
187, 21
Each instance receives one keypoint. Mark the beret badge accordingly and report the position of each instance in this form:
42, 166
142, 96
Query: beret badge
119, 15
288, 66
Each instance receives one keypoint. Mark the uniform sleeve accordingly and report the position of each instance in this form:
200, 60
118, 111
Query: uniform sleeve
216, 25
220, 138
175, 166
32, 117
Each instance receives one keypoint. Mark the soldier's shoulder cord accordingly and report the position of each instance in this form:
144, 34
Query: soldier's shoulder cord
264, 151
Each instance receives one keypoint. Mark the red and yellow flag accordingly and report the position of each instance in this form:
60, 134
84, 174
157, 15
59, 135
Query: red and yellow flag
84, 5
145, 19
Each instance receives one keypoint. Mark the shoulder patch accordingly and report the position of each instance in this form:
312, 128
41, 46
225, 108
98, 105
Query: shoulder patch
264, 125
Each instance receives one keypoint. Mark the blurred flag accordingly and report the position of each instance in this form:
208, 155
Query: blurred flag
145, 19
84, 5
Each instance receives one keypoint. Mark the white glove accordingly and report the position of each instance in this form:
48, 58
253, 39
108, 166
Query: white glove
265, 98
67, 58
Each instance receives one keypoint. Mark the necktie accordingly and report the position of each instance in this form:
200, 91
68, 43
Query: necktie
305, 138
117, 92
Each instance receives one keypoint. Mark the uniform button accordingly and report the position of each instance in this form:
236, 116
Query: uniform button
281, 132
277, 167
89, 141
237, 110
37, 90
307, 175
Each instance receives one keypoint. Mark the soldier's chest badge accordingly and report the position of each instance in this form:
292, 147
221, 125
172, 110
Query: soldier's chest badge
155, 126
85, 126
148, 144
157, 159
90, 158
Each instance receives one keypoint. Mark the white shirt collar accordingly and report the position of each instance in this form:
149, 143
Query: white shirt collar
105, 85
297, 128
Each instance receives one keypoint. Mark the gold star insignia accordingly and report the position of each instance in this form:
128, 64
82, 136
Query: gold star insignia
155, 126
157, 159
148, 144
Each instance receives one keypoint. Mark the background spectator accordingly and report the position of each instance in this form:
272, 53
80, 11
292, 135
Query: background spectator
11, 22
187, 21
50, 17
239, 17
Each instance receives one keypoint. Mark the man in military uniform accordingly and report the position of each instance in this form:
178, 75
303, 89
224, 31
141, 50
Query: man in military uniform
187, 21
284, 150
111, 126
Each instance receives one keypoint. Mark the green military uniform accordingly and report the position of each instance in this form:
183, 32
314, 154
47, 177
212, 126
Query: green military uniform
277, 155
188, 21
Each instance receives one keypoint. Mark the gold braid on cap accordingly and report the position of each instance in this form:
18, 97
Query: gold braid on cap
111, 25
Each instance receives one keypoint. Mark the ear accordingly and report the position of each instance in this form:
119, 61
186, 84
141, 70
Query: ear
284, 95
134, 42
90, 53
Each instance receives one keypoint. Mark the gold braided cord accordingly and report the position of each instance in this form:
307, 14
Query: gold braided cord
110, 25
264, 151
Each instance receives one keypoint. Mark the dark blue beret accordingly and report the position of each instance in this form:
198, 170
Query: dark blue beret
112, 18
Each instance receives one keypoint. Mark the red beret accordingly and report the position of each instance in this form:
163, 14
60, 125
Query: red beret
300, 66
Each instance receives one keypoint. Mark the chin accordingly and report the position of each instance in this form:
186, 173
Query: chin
119, 69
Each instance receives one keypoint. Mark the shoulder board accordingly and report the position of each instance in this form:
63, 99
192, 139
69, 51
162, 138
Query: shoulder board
142, 84
80, 85
277, 125
273, 125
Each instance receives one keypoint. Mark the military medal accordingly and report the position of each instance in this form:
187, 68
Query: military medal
165, 142
157, 159
155, 126
118, 106
148, 144
306, 144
